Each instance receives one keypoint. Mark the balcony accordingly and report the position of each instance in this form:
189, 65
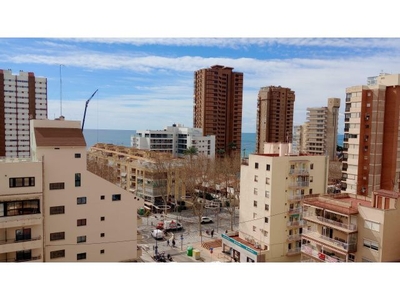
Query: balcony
299, 172
334, 243
293, 199
319, 255
19, 245
32, 258
294, 251
299, 223
299, 184
295, 211
293, 237
21, 220
331, 223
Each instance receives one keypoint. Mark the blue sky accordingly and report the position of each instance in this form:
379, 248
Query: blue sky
148, 83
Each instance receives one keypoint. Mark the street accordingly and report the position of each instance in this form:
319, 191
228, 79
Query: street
188, 236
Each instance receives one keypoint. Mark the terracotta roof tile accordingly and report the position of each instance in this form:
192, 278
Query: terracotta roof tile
59, 137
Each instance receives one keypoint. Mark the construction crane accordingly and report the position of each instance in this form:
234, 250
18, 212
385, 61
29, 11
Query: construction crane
87, 103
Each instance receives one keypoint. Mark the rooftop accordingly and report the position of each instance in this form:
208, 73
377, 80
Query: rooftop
48, 136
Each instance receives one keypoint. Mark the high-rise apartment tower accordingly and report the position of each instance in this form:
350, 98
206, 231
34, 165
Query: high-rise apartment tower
322, 128
371, 151
218, 97
275, 107
22, 97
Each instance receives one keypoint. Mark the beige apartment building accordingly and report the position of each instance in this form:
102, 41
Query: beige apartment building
351, 228
22, 97
218, 101
273, 187
371, 154
63, 212
275, 107
148, 174
322, 129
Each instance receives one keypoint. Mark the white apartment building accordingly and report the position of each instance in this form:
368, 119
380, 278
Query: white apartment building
23, 97
175, 139
322, 129
64, 212
272, 188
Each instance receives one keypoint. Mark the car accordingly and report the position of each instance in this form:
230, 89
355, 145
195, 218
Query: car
205, 220
157, 234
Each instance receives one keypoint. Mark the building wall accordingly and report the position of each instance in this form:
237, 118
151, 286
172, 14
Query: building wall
282, 190
218, 97
119, 226
20, 182
275, 107
22, 97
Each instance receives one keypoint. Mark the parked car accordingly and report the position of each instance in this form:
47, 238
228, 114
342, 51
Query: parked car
205, 220
157, 234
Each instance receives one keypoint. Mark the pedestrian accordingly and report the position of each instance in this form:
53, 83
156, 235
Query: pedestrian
212, 232
173, 243
167, 242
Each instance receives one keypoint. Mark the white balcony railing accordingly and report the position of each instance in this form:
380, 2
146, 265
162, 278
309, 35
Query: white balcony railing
296, 223
332, 242
312, 215
319, 255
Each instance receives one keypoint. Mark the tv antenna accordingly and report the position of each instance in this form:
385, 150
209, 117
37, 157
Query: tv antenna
61, 91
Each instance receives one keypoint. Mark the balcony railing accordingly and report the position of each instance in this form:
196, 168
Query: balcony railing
294, 251
295, 210
21, 260
299, 172
319, 255
12, 241
332, 242
295, 198
312, 217
296, 223
293, 237
299, 184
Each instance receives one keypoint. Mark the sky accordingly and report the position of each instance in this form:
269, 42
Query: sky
147, 83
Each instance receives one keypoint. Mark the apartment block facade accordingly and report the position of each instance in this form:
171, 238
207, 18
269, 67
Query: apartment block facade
54, 210
351, 228
371, 154
218, 101
273, 187
275, 107
175, 139
23, 97
322, 129
151, 175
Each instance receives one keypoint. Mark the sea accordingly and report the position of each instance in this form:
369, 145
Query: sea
123, 138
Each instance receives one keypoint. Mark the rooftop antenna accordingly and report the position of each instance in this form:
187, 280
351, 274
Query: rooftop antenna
61, 91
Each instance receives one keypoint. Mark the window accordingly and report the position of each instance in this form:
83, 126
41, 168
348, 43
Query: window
55, 236
77, 179
372, 225
102, 234
255, 203
256, 165
256, 178
81, 200
116, 197
311, 179
254, 228
312, 166
266, 220
21, 182
57, 254
266, 194
14, 208
102, 218
57, 210
266, 206
81, 239
268, 168
102, 251
102, 197
255, 191
81, 256
372, 245
267, 180
57, 186
81, 222
254, 215
77, 155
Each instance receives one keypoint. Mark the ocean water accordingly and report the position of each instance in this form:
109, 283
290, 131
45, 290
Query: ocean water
123, 138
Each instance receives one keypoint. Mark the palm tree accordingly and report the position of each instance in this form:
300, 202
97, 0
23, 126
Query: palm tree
192, 150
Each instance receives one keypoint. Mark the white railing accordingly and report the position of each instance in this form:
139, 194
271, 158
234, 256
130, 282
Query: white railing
319, 255
299, 184
293, 237
296, 223
295, 210
330, 221
299, 172
333, 242
294, 251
